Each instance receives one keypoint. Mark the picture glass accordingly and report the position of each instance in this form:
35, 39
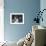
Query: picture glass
17, 18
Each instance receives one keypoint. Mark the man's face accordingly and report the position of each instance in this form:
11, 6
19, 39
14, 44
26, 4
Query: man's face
15, 18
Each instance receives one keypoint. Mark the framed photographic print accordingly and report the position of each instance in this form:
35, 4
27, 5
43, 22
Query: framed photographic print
16, 18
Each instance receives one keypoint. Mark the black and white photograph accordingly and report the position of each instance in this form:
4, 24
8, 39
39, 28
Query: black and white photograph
16, 18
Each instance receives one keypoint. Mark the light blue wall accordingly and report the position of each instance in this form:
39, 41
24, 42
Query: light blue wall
29, 8
43, 6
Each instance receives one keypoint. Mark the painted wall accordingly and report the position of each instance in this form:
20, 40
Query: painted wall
43, 6
29, 8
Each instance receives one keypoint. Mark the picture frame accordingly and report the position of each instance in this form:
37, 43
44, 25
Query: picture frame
16, 18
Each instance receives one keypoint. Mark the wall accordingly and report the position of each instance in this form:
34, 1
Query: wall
29, 8
43, 6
